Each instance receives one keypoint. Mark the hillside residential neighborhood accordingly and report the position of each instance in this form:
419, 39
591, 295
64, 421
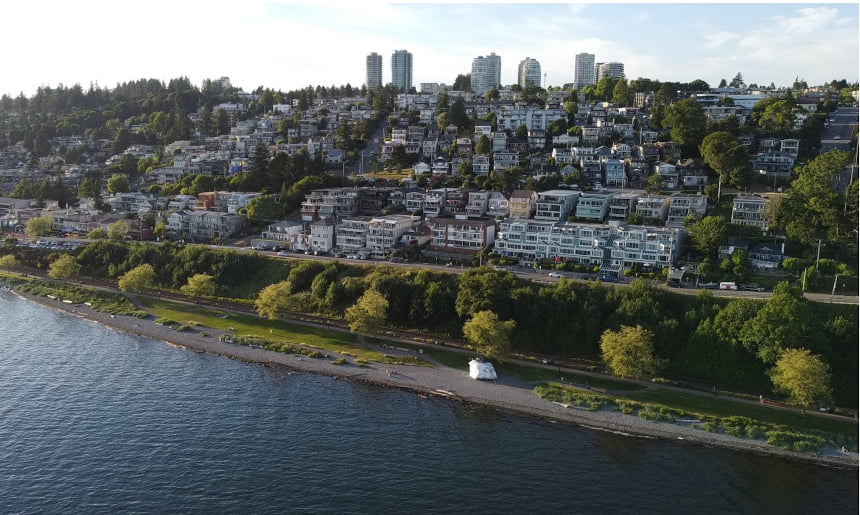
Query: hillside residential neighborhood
552, 177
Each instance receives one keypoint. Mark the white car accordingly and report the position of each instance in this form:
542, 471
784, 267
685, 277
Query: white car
555, 275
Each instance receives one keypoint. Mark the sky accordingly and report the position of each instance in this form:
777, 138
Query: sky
287, 46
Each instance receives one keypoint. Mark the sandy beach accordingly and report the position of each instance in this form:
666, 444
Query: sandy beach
507, 394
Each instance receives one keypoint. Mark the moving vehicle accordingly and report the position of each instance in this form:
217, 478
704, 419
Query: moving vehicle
554, 275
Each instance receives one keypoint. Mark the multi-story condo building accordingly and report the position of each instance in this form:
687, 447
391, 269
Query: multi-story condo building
622, 205
528, 73
401, 70
522, 204
613, 70
384, 233
748, 210
555, 205
613, 172
486, 73
461, 234
325, 203
481, 165
351, 234
682, 205
612, 247
653, 209
284, 230
505, 160
374, 71
583, 71
323, 237
593, 206
204, 226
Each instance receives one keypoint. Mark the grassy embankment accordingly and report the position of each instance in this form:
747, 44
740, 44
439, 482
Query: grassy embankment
98, 300
249, 326
785, 428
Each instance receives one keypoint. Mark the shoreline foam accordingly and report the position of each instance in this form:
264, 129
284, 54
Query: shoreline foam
463, 388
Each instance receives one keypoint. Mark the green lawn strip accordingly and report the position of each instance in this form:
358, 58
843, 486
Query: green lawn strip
272, 330
785, 429
98, 300
449, 358
726, 408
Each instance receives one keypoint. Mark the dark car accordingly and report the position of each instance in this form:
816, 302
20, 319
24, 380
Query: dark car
750, 287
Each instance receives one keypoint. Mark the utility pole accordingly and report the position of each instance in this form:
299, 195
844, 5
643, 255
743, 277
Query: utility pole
818, 255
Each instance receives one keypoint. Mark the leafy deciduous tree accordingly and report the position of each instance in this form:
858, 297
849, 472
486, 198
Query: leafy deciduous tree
803, 376
39, 226
138, 278
490, 336
629, 352
199, 285
369, 313
64, 267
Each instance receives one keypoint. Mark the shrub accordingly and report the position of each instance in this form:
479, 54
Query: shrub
711, 427
794, 441
339, 361
165, 321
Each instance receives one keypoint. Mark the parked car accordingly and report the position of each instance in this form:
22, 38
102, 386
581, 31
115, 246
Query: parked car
751, 287
608, 279
283, 253
728, 286
708, 286
397, 259
554, 275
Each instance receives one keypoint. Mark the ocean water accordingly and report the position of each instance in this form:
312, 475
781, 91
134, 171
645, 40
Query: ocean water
97, 421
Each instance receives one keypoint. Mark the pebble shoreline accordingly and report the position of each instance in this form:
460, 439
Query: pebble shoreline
445, 382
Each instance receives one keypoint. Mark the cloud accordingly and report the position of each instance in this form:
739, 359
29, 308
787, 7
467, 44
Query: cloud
714, 40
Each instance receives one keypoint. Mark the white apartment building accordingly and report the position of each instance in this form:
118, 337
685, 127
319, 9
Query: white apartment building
374, 71
528, 73
613, 70
328, 202
653, 209
486, 73
613, 247
622, 205
351, 234
323, 233
555, 205
204, 226
584, 72
283, 230
384, 233
682, 205
401, 70
748, 210
593, 206
462, 234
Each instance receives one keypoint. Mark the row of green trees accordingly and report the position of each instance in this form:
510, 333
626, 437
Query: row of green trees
732, 343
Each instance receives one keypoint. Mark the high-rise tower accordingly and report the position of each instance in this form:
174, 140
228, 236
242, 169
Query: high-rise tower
486, 73
401, 70
583, 71
529, 73
614, 70
374, 71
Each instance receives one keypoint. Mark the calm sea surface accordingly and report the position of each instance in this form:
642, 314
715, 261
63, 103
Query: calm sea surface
95, 421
